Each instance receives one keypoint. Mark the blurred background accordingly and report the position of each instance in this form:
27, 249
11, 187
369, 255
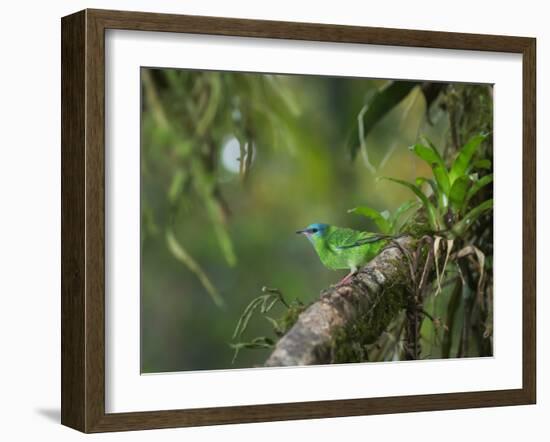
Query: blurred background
232, 164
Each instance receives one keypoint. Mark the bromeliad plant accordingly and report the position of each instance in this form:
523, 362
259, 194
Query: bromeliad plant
451, 202
452, 188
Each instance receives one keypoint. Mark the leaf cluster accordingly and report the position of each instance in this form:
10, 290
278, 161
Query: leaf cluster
451, 188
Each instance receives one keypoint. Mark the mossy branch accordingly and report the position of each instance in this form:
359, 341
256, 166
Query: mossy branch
339, 326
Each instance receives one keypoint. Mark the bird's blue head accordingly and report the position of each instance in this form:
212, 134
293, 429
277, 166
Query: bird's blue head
314, 231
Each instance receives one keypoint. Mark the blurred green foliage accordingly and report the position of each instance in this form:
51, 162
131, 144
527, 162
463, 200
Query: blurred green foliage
232, 164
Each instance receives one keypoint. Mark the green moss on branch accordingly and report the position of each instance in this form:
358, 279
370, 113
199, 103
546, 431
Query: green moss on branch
346, 318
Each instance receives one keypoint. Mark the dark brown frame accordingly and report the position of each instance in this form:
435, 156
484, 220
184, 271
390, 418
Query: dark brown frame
83, 216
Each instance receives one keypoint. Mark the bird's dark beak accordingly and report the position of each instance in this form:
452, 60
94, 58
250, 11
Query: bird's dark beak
300, 231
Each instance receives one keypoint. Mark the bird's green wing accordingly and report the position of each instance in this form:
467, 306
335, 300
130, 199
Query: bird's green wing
349, 238
340, 238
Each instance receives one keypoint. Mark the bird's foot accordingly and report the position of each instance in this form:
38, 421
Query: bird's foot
346, 279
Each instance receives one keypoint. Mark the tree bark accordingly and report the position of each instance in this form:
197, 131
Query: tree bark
353, 315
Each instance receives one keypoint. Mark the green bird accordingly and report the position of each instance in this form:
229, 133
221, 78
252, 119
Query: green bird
343, 248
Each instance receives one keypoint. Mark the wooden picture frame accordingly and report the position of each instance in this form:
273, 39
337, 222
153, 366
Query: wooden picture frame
83, 220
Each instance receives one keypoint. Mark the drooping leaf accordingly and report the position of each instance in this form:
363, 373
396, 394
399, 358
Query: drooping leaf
449, 247
430, 208
380, 104
179, 252
204, 184
477, 185
462, 161
439, 196
437, 241
176, 185
480, 257
463, 225
482, 164
382, 223
436, 245
209, 113
220, 230
419, 181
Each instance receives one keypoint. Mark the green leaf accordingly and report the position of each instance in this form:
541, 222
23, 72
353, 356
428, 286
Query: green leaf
402, 209
406, 206
463, 225
204, 184
428, 154
375, 215
176, 185
207, 118
433, 185
442, 179
462, 161
220, 230
433, 158
478, 184
430, 208
482, 164
439, 170
382, 102
459, 191
179, 252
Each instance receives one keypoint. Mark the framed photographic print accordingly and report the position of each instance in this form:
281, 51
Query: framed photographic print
267, 220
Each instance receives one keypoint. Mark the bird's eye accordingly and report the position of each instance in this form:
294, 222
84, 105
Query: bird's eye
314, 230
